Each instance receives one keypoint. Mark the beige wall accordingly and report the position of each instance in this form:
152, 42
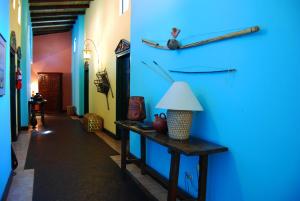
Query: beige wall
105, 26
14, 25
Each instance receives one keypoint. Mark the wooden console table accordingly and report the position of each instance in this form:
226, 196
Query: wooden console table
190, 147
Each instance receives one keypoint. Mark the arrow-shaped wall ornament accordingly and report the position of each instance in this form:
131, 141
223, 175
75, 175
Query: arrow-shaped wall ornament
173, 44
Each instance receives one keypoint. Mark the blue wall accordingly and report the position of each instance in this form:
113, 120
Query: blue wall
78, 66
26, 45
255, 111
5, 141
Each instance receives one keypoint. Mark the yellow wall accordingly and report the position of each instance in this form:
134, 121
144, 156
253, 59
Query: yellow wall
14, 25
106, 27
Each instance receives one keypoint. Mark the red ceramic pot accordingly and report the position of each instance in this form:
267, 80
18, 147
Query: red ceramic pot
136, 108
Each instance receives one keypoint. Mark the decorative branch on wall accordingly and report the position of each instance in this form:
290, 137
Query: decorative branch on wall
166, 75
229, 70
160, 71
173, 44
103, 85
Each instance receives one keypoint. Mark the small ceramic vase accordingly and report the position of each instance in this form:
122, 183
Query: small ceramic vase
160, 123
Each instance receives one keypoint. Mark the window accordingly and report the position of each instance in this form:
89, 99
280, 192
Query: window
124, 6
74, 45
19, 12
14, 4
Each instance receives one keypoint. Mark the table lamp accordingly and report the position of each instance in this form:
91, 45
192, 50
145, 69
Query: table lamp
180, 102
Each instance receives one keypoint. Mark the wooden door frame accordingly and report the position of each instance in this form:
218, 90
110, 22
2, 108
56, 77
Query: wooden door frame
122, 51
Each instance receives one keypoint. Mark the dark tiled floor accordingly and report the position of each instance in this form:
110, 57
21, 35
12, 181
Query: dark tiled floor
70, 164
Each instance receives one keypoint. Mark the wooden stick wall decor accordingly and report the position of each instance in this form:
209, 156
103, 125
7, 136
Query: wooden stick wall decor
203, 72
173, 44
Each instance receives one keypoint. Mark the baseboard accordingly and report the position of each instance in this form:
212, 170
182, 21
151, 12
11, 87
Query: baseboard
24, 128
79, 116
110, 134
7, 187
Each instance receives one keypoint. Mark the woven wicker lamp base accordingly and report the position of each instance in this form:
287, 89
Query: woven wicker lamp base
179, 124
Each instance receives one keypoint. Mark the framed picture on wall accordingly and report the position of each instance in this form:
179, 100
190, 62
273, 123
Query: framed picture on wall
2, 64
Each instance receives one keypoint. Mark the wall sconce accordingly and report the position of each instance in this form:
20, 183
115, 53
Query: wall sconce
87, 53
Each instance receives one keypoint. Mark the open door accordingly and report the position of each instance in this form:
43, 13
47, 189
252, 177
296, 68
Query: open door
12, 77
123, 81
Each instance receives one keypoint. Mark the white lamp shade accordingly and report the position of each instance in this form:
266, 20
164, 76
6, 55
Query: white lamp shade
180, 97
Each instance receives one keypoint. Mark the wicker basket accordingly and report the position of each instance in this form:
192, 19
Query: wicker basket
92, 122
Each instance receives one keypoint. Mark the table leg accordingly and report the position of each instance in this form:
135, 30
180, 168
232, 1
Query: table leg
203, 161
43, 113
29, 112
174, 171
143, 155
124, 136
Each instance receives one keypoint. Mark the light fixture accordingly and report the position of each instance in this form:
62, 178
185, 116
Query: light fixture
87, 53
180, 102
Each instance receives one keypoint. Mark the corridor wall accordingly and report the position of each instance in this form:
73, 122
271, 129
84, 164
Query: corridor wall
78, 65
53, 53
106, 26
26, 45
254, 111
5, 138
15, 26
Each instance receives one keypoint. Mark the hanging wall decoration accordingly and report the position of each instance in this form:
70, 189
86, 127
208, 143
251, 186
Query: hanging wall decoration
103, 85
2, 64
122, 48
173, 44
203, 70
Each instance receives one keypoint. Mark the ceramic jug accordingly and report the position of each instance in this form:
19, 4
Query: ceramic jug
160, 123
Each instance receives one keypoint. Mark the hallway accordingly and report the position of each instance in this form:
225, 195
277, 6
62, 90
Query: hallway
70, 164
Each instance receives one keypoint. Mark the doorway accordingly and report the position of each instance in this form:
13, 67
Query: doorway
123, 81
13, 109
86, 89
123, 88
50, 87
13, 94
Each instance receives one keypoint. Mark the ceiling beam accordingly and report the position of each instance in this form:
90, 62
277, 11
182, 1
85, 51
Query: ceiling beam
52, 27
45, 1
58, 7
59, 10
37, 33
54, 18
75, 13
52, 23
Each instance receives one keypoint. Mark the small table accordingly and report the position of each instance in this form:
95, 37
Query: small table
190, 147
